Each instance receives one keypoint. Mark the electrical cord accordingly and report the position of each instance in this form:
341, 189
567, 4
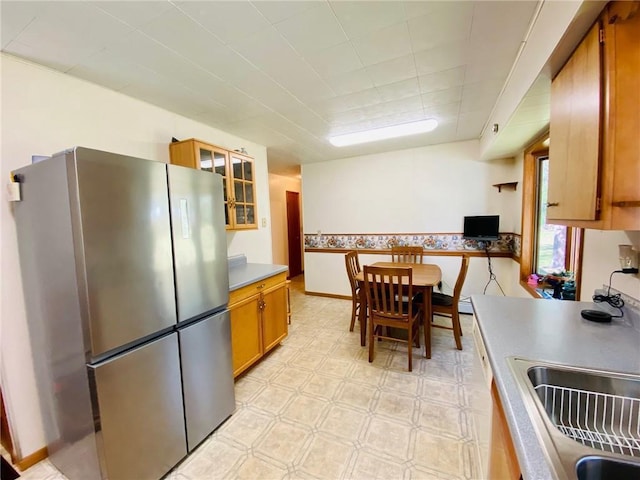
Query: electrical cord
615, 301
492, 276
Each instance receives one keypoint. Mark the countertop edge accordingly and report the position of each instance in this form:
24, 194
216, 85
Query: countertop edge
248, 273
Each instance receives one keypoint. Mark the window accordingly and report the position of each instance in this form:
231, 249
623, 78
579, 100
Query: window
550, 240
546, 248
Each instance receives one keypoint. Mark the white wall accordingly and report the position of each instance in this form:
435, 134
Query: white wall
278, 187
43, 112
600, 258
428, 189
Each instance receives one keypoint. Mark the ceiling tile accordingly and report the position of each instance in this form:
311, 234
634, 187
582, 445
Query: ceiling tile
228, 64
470, 125
275, 12
21, 15
480, 96
502, 21
181, 34
440, 97
361, 18
134, 13
443, 25
265, 90
86, 31
399, 90
384, 44
335, 60
350, 82
444, 57
221, 18
442, 80
312, 30
346, 102
393, 71
306, 119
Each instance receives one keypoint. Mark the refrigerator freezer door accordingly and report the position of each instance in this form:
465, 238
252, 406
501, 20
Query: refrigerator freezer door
123, 234
207, 375
199, 241
141, 412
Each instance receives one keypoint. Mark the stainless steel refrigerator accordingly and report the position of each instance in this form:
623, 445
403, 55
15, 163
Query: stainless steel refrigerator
124, 268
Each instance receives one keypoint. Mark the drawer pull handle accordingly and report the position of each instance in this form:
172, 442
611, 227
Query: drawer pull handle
552, 204
261, 286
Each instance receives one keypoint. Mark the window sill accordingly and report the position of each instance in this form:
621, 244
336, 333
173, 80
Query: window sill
532, 290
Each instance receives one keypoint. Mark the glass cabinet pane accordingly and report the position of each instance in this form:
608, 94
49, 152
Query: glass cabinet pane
206, 160
219, 161
237, 167
248, 192
248, 171
250, 214
240, 218
239, 191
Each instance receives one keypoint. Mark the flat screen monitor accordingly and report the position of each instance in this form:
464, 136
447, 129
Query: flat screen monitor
481, 227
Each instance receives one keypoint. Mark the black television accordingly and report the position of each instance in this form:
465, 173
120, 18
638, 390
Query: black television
481, 227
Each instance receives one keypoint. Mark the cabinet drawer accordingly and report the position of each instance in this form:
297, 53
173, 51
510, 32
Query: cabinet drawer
245, 292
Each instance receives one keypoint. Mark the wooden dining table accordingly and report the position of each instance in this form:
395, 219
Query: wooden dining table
425, 277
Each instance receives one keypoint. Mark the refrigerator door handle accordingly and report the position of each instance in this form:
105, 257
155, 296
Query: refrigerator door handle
184, 218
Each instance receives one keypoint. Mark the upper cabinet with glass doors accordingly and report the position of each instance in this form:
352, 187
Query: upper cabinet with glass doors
237, 171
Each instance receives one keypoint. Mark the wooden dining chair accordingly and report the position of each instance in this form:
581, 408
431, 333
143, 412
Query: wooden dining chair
406, 254
386, 308
353, 268
447, 305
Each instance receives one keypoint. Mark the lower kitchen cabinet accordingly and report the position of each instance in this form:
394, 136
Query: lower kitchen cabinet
258, 320
503, 462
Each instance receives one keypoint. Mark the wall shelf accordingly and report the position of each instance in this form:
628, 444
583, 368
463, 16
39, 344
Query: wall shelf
506, 185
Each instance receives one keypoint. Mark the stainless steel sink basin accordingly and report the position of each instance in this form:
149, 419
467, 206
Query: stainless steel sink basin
596, 468
588, 420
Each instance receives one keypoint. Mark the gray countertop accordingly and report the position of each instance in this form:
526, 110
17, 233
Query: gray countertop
553, 331
241, 275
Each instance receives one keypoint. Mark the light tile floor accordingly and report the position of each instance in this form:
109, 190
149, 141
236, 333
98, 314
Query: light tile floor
315, 408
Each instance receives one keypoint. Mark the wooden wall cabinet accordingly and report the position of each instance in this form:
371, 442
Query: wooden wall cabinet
594, 151
258, 320
238, 171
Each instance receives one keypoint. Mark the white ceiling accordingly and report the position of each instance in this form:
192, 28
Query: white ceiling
288, 74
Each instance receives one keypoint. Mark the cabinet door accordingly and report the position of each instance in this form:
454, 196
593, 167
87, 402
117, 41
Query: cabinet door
246, 334
574, 149
274, 316
242, 183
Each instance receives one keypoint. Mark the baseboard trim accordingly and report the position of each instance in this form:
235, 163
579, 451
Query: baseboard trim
31, 460
329, 295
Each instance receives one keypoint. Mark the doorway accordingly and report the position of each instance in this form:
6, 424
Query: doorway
293, 234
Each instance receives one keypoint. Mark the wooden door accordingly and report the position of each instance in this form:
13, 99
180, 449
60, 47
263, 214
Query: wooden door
246, 334
574, 149
274, 316
293, 234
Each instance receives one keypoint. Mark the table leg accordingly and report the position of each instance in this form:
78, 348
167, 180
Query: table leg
362, 316
426, 305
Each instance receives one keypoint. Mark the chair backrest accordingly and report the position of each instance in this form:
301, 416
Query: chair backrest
406, 254
457, 290
353, 268
384, 289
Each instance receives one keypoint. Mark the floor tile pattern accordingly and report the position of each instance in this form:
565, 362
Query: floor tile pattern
315, 408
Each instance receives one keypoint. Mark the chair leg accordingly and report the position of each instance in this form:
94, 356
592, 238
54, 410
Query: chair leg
409, 344
353, 315
371, 328
427, 336
455, 319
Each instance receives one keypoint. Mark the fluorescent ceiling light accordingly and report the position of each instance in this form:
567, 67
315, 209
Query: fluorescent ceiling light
383, 133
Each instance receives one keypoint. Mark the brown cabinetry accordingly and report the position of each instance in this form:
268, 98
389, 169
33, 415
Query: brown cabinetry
503, 462
594, 151
237, 170
258, 320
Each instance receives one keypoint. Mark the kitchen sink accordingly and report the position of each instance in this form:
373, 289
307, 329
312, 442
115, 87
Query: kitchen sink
588, 420
596, 468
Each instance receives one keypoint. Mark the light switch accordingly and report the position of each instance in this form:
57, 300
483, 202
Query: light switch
264, 222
